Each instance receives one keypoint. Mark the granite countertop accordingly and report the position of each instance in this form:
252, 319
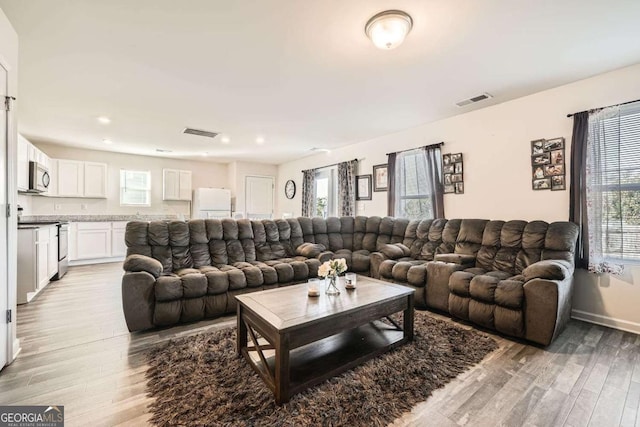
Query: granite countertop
93, 218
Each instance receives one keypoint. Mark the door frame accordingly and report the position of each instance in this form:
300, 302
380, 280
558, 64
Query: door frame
273, 193
13, 344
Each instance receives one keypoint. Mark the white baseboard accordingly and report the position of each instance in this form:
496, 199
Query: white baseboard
611, 322
95, 261
16, 349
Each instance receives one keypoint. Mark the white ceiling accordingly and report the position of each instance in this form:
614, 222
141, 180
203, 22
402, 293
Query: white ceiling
300, 73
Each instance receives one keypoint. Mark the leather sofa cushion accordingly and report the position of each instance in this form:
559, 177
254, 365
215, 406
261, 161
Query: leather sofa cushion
509, 293
395, 251
136, 263
461, 259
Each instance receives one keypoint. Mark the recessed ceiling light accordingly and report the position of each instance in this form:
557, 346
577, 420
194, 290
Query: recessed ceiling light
104, 120
225, 139
260, 140
107, 141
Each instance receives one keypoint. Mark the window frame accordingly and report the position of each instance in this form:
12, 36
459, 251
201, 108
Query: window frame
401, 183
123, 188
331, 174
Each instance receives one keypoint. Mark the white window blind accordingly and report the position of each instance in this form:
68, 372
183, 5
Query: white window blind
613, 176
413, 198
135, 188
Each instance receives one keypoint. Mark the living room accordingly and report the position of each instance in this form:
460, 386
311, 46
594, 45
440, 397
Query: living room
498, 133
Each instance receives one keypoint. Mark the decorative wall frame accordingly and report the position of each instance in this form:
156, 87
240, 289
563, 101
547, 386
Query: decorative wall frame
548, 169
453, 173
380, 177
363, 187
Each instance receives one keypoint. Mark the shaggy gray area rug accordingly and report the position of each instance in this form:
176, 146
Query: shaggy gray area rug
199, 380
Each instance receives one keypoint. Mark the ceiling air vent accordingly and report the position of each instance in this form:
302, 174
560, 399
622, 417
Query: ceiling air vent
474, 99
199, 132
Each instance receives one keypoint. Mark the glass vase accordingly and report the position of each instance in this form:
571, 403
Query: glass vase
331, 288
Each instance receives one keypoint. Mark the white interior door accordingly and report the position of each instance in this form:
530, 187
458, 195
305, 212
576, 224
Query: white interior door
4, 279
259, 197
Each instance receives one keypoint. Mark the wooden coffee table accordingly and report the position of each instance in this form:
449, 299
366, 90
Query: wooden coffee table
298, 341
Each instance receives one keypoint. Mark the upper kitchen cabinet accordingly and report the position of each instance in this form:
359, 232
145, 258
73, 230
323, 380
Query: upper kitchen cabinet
176, 184
27, 152
74, 178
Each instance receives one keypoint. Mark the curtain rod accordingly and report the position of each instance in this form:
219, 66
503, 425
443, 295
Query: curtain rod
439, 144
328, 166
614, 105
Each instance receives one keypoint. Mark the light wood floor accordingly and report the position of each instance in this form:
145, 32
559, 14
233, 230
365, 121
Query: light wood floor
77, 352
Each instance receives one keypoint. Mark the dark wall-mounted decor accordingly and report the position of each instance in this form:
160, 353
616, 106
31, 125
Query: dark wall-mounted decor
363, 187
380, 178
452, 173
547, 164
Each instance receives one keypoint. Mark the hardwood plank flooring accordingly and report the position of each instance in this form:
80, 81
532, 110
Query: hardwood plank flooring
77, 352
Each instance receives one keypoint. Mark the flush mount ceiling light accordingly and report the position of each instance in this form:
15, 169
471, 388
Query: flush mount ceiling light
387, 30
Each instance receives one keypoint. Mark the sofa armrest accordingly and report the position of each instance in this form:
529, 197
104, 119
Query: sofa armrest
551, 269
376, 260
394, 251
138, 300
547, 308
137, 263
460, 259
437, 287
310, 250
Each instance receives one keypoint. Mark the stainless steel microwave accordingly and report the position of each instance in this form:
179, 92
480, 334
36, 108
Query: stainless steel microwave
39, 178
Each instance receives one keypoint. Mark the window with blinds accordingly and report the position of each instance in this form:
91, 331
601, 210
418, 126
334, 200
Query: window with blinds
135, 188
413, 198
613, 177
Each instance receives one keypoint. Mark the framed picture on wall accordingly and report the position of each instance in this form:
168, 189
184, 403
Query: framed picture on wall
448, 189
557, 183
380, 178
542, 184
363, 187
459, 187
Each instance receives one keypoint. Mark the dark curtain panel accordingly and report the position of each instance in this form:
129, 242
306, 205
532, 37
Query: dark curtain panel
308, 192
433, 155
391, 192
347, 188
578, 187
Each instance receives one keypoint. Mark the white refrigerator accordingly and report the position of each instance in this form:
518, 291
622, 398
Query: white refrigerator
211, 203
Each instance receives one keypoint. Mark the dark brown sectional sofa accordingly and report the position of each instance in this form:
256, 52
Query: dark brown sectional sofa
515, 277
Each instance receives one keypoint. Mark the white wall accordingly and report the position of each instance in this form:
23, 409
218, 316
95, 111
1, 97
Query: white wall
9, 57
204, 174
495, 142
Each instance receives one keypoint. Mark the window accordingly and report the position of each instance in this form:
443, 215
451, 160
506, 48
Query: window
613, 182
326, 202
135, 188
413, 196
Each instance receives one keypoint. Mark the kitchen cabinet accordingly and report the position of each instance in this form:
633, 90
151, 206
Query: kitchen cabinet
97, 242
27, 152
95, 179
176, 184
93, 240
69, 178
118, 246
37, 260
73, 178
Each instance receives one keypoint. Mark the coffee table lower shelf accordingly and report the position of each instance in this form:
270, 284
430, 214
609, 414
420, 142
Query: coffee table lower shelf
315, 362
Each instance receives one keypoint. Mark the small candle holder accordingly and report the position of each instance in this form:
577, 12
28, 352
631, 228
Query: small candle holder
313, 288
350, 281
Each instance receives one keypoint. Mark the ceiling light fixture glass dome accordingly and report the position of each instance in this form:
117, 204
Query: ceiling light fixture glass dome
387, 30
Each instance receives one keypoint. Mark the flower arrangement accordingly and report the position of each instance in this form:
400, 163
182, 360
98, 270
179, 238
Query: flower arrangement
332, 268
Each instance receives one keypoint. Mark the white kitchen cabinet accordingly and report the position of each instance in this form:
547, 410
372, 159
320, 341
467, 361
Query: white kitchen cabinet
42, 254
118, 246
70, 178
95, 179
176, 184
93, 240
23, 164
73, 178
